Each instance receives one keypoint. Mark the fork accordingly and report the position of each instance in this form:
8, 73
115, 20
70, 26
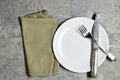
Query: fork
85, 33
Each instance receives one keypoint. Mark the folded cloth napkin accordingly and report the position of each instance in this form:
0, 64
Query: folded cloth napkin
38, 30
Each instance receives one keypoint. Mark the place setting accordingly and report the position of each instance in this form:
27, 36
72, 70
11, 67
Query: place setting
79, 44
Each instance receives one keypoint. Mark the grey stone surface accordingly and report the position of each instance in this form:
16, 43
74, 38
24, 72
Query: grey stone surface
12, 65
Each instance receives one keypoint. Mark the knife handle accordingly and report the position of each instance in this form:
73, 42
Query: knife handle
94, 62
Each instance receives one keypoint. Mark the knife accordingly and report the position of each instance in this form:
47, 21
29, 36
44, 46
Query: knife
94, 54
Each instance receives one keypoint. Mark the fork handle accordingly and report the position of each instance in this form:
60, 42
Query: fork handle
109, 55
94, 62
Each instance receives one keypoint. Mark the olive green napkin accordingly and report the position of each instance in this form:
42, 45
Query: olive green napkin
38, 30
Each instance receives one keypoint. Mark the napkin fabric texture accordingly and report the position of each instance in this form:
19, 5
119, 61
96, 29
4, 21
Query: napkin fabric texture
38, 30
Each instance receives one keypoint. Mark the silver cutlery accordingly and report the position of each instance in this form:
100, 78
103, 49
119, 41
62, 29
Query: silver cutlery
85, 33
94, 54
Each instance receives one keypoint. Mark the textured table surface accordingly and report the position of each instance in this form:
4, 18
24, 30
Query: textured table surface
12, 65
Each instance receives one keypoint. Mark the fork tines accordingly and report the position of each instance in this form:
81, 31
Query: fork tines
82, 29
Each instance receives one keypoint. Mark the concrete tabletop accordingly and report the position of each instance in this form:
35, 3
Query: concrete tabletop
12, 66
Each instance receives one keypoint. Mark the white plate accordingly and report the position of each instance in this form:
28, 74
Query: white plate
72, 50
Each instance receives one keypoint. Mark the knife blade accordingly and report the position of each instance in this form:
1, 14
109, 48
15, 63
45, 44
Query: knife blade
94, 55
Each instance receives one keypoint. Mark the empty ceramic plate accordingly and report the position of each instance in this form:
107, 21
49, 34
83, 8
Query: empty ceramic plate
73, 50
